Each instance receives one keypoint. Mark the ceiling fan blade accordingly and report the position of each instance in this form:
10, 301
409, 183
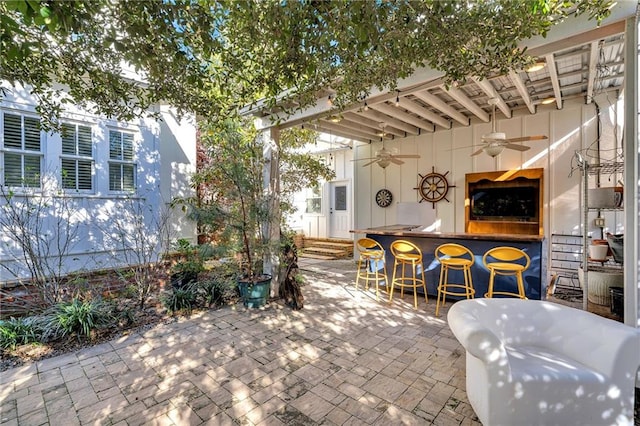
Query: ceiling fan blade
528, 138
369, 158
478, 152
370, 163
395, 160
516, 147
406, 156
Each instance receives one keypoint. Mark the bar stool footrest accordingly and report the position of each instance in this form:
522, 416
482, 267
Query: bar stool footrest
466, 291
505, 293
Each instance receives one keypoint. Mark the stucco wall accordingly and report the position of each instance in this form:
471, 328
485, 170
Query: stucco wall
106, 226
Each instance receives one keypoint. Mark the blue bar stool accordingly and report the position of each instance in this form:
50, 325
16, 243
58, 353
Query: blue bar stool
405, 254
454, 257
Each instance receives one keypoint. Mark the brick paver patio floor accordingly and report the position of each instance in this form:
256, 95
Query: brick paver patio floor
344, 359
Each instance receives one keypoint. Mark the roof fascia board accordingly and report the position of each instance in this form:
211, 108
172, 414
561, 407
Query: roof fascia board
575, 26
565, 32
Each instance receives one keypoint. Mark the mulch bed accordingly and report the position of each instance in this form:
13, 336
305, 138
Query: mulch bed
26, 354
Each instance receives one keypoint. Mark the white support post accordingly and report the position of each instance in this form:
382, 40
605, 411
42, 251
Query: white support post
271, 185
632, 189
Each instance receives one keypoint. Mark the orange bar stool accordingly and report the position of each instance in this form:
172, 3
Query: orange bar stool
508, 261
459, 258
405, 254
371, 255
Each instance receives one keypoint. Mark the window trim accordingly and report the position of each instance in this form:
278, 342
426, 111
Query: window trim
120, 162
22, 152
77, 158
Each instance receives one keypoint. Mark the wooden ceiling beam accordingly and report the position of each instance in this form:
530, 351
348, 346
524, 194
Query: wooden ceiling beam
491, 92
349, 124
391, 121
555, 81
442, 106
522, 90
358, 118
374, 130
466, 102
323, 127
339, 127
593, 71
400, 114
416, 108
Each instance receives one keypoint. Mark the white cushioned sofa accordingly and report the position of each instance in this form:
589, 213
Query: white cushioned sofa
531, 362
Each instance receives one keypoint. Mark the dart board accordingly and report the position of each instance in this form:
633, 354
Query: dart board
384, 198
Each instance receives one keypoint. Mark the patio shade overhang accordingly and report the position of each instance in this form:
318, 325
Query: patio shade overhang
579, 58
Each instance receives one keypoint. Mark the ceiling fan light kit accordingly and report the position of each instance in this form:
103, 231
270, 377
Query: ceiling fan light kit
495, 142
494, 136
384, 163
494, 150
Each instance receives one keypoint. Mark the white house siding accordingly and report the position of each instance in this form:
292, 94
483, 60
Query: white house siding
338, 156
104, 221
449, 151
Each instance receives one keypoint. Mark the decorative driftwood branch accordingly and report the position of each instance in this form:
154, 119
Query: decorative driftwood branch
290, 290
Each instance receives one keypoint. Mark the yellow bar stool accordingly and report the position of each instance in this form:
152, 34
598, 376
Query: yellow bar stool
507, 261
405, 254
371, 253
459, 258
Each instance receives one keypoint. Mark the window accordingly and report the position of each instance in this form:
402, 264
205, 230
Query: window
122, 169
77, 157
22, 156
340, 200
314, 200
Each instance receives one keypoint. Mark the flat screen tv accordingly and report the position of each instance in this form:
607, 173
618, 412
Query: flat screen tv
518, 203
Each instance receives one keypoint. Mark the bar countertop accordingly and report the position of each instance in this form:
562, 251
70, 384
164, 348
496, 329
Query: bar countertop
416, 231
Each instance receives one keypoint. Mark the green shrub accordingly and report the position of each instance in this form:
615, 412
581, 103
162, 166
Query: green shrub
18, 331
124, 315
76, 317
212, 291
180, 299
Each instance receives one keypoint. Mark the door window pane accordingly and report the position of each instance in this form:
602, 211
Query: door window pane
340, 198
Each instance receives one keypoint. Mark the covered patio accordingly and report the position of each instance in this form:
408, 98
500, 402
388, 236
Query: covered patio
344, 359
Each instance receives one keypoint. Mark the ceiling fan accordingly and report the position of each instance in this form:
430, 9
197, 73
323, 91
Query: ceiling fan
384, 157
495, 142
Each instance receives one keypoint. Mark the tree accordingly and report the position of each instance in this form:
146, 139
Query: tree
216, 57
232, 204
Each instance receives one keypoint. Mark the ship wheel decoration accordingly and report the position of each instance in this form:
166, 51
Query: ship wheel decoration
433, 187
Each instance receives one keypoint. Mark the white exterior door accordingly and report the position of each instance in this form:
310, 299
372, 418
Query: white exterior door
339, 210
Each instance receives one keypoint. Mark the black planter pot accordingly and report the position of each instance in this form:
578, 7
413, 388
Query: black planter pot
181, 279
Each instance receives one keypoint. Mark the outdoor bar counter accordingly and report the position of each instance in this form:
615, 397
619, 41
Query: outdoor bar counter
533, 245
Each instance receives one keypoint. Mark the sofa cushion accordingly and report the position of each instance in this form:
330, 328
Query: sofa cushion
558, 387
542, 364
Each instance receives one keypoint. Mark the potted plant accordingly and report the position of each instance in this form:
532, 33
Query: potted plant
235, 211
188, 265
231, 208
